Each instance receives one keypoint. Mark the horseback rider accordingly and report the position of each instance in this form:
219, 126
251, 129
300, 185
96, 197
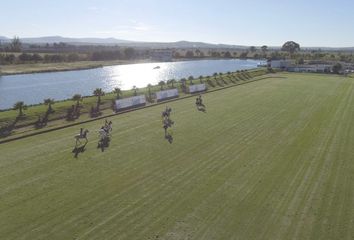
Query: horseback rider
81, 132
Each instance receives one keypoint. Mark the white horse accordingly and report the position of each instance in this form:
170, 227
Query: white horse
103, 134
81, 136
105, 131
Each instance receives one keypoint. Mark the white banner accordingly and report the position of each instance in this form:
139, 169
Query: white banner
197, 88
130, 102
171, 93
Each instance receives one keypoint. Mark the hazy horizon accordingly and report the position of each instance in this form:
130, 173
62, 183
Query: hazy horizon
312, 24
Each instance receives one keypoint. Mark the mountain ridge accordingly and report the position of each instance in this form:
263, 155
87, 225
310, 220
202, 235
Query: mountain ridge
130, 43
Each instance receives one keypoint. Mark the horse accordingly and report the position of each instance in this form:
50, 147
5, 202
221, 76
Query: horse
199, 104
167, 112
103, 133
82, 135
199, 101
104, 137
108, 127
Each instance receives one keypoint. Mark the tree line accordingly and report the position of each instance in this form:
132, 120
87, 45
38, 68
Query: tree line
63, 52
11, 58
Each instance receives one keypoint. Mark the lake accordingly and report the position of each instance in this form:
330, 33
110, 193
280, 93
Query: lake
33, 88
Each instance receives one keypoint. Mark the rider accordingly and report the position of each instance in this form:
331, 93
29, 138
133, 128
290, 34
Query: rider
200, 100
197, 101
81, 132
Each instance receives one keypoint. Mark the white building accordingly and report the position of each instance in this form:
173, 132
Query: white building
282, 64
319, 68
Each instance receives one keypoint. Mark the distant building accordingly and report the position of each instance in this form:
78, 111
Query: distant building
281, 64
162, 55
318, 68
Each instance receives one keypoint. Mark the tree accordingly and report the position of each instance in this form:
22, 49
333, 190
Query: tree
244, 54
135, 89
161, 84
172, 81
77, 98
337, 68
98, 92
149, 86
189, 54
300, 61
291, 47
16, 45
227, 55
253, 49
73, 57
129, 53
201, 78
20, 106
197, 52
49, 102
183, 83
117, 91
264, 49
190, 78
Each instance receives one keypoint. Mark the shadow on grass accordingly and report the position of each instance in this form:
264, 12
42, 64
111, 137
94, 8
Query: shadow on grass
78, 150
104, 143
6, 131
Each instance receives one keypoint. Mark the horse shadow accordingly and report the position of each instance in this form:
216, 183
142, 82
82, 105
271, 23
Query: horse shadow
169, 137
104, 143
201, 108
7, 130
78, 150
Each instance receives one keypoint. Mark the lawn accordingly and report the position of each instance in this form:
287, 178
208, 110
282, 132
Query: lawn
7, 117
271, 159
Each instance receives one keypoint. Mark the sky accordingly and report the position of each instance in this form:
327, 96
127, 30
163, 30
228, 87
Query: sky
311, 23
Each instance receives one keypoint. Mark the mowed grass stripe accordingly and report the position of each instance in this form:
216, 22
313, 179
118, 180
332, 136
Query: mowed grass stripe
257, 165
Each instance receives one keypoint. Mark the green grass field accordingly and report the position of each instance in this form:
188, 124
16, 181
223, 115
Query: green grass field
273, 159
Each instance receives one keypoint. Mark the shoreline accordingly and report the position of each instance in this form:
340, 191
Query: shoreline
32, 68
10, 70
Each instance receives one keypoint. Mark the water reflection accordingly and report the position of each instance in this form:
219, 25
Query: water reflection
33, 88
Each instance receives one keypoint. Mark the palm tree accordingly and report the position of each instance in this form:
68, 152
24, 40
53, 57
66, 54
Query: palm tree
117, 91
98, 92
20, 106
172, 81
215, 77
161, 84
49, 102
168, 82
201, 79
149, 86
135, 89
190, 78
183, 81
183, 84
77, 98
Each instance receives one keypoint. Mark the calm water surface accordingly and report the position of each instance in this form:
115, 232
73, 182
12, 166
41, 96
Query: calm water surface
33, 88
